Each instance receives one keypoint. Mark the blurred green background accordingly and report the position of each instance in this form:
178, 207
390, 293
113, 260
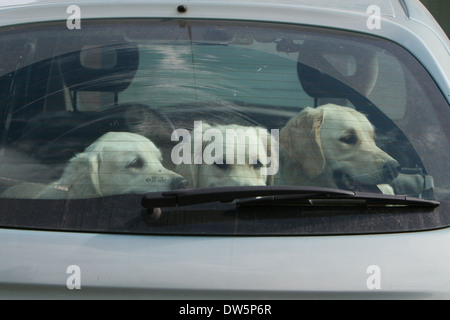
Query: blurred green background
440, 9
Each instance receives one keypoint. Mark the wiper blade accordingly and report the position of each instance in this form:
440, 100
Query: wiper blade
358, 198
260, 195
185, 197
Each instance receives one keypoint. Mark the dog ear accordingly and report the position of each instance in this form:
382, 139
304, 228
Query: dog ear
300, 140
271, 144
94, 166
190, 171
82, 169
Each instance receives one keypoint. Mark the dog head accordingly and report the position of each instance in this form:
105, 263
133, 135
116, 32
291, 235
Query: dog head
119, 163
231, 155
337, 144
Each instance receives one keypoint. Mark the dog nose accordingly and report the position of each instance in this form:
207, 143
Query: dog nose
391, 169
178, 183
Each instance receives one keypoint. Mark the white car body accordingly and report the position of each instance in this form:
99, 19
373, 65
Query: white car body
410, 265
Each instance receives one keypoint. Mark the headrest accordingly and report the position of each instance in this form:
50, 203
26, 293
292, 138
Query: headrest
322, 65
102, 69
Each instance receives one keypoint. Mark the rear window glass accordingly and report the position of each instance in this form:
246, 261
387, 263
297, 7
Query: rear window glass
93, 121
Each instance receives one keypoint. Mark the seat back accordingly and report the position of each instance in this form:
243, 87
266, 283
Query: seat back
324, 69
106, 69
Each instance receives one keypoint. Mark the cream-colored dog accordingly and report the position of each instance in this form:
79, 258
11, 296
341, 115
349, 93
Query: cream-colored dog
333, 146
240, 158
116, 163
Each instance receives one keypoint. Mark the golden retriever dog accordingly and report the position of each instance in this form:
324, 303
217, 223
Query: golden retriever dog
333, 146
116, 163
227, 155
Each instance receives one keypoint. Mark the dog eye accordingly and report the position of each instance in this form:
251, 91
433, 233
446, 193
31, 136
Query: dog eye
222, 166
258, 165
137, 163
350, 138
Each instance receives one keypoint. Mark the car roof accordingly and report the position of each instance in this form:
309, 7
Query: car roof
395, 10
349, 5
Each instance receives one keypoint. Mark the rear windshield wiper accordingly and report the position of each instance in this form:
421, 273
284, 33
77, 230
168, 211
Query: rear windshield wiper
260, 195
358, 198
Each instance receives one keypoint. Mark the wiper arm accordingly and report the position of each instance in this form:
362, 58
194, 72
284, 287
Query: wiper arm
185, 197
259, 195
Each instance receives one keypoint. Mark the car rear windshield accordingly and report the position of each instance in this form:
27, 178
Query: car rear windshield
94, 120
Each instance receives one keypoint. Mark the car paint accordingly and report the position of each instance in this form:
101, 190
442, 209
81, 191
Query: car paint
36, 264
410, 265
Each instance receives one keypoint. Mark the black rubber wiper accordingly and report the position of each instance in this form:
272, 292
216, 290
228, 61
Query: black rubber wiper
357, 199
258, 195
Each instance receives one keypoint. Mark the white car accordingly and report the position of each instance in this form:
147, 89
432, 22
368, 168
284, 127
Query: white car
224, 150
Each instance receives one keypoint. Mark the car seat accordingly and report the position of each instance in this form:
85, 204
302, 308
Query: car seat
54, 137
